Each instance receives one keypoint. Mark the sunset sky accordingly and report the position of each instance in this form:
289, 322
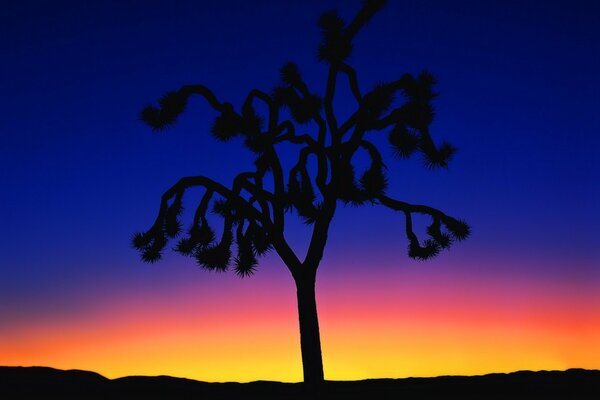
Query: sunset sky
80, 173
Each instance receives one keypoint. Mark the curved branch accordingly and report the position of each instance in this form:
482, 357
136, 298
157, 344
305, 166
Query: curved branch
311, 147
352, 80
195, 181
329, 113
291, 137
188, 90
292, 77
349, 123
203, 206
259, 94
262, 196
279, 189
398, 205
431, 247
263, 203
321, 178
372, 150
398, 114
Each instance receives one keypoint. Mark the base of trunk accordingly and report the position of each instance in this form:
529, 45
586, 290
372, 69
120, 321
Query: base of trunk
310, 340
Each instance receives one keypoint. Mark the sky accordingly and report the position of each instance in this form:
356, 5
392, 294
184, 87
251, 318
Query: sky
80, 173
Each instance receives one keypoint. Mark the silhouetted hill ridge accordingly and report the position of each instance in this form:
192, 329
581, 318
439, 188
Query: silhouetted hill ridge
43, 382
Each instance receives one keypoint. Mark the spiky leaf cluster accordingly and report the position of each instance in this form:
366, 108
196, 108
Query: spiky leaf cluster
255, 141
375, 103
336, 44
348, 189
443, 239
301, 195
200, 236
429, 249
167, 225
418, 115
437, 157
366, 12
438, 239
245, 262
230, 124
227, 209
171, 105
260, 239
420, 89
303, 108
216, 257
404, 142
226, 125
373, 181
411, 130
150, 244
371, 184
251, 123
459, 229
290, 74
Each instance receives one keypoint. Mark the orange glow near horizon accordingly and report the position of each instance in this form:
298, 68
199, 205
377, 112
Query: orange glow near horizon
385, 329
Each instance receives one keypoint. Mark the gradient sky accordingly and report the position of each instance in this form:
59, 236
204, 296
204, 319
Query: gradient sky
80, 173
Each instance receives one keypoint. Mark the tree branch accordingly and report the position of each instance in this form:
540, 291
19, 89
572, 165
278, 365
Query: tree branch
398, 205
329, 113
352, 80
212, 186
188, 90
457, 229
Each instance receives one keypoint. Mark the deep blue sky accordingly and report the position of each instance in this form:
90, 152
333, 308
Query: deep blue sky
79, 172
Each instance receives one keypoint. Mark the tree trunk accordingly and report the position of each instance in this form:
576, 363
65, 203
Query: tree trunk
310, 341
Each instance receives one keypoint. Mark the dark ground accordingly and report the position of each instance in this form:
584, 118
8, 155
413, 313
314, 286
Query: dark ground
42, 382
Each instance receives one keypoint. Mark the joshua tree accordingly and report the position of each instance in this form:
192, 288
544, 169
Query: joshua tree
254, 209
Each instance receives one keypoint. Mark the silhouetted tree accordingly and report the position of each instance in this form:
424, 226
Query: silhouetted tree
254, 208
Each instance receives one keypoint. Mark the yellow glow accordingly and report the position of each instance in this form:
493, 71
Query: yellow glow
253, 337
